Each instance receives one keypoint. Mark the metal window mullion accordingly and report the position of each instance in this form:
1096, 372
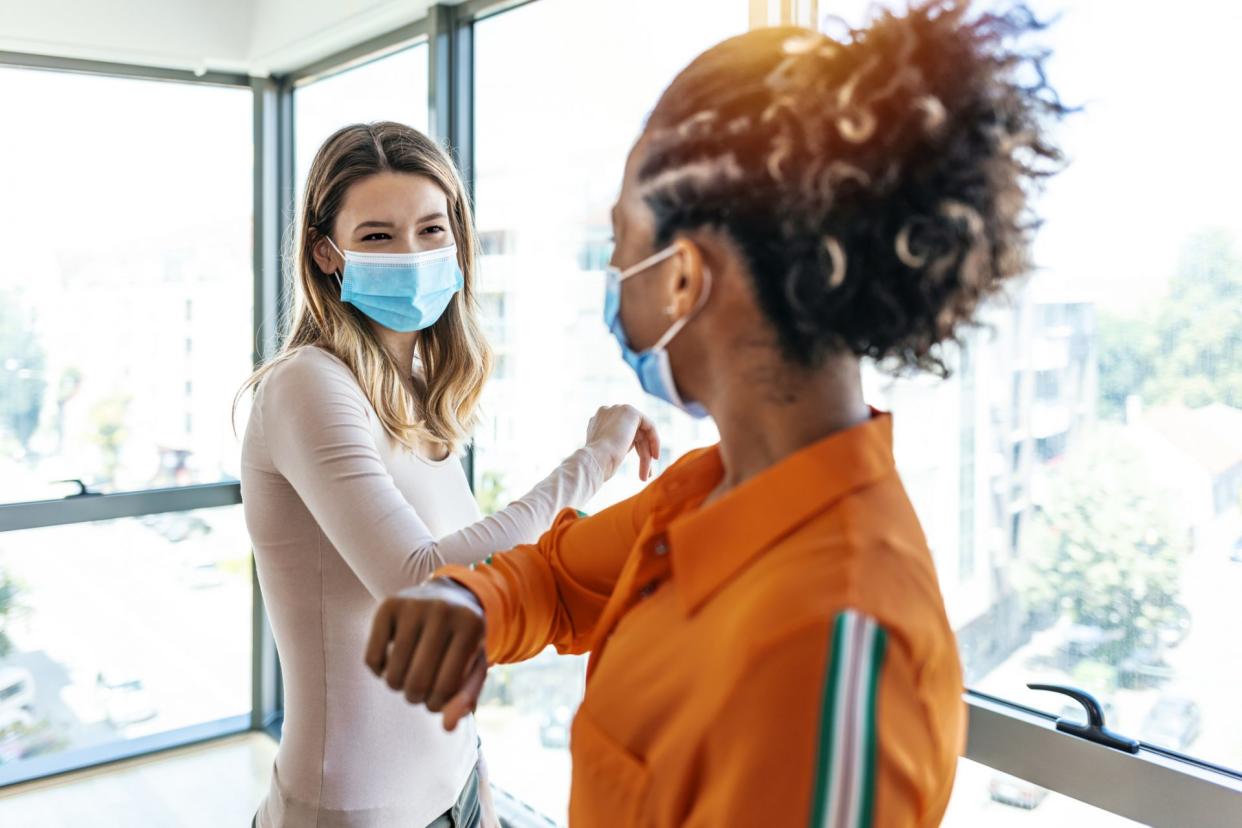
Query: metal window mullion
784, 13
273, 212
134, 71
359, 54
39, 768
1147, 787
472, 11
450, 107
16, 517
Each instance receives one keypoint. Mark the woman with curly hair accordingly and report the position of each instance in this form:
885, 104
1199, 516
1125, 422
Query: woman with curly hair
769, 644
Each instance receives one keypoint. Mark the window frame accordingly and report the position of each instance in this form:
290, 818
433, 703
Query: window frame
1156, 787
88, 506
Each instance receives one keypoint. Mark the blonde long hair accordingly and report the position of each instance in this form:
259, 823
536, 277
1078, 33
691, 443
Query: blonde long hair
455, 356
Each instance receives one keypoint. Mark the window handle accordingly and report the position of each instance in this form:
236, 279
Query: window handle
82, 490
1094, 730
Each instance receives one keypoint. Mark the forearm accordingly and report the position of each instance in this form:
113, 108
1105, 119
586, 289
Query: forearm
551, 593
574, 482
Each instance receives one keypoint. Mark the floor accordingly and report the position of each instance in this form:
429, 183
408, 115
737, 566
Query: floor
215, 785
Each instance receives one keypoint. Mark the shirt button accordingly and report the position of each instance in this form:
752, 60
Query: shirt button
661, 547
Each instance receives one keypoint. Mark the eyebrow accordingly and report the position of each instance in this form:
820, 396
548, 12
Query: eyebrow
389, 224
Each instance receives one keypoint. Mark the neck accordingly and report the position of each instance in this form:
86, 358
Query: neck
400, 345
787, 410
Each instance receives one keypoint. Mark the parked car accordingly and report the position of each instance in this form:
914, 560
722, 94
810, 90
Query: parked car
554, 727
1174, 631
1173, 722
1010, 790
17, 689
1081, 641
204, 575
125, 698
1145, 667
15, 724
176, 527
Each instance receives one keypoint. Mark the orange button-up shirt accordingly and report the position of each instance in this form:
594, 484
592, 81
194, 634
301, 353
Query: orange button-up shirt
778, 657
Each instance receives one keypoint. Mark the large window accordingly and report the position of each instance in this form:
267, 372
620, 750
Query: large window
551, 142
1095, 536
125, 299
389, 88
121, 630
125, 330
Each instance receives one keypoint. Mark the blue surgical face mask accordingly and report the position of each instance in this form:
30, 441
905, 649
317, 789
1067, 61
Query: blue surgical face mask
655, 372
402, 291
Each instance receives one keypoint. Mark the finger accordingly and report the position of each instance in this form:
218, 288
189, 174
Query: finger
653, 437
643, 450
464, 703
651, 442
427, 655
382, 629
403, 644
452, 670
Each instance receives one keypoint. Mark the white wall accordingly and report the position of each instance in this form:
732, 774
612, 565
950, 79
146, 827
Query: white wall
185, 34
254, 36
287, 34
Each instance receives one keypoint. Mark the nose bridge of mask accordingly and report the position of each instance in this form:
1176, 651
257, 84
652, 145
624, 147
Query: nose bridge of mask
412, 259
402, 291
401, 275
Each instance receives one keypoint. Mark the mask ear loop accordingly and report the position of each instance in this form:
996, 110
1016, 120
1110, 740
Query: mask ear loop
340, 283
676, 327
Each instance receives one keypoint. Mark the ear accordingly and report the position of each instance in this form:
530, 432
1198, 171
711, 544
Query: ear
326, 259
687, 281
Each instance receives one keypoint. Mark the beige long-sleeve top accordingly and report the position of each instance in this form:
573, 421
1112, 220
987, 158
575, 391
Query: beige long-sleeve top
340, 516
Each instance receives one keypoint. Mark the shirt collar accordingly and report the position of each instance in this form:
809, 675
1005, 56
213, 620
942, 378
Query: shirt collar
709, 545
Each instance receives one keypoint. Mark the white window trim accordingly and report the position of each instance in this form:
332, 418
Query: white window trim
1149, 787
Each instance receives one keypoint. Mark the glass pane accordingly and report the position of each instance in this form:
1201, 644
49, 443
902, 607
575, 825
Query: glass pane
985, 798
125, 299
392, 88
544, 192
1086, 515
121, 629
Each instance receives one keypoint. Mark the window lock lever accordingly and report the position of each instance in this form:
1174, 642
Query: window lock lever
82, 490
1095, 730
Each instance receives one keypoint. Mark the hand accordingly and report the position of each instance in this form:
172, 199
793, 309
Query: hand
614, 430
429, 642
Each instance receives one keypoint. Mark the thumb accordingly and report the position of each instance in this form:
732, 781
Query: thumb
467, 698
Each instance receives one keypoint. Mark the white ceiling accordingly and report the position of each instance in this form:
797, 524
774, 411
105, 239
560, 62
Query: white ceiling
258, 37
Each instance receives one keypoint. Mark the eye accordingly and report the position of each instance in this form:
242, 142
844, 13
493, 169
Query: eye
376, 237
431, 230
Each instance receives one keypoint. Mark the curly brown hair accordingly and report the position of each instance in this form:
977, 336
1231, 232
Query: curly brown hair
876, 185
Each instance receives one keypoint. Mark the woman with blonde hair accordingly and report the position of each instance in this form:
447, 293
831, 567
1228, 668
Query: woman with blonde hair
351, 487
